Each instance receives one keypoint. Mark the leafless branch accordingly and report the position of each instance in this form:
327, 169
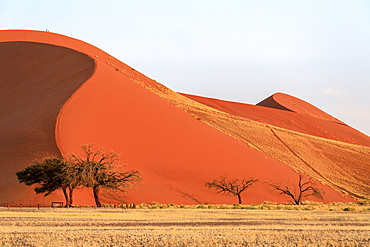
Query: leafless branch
305, 189
234, 187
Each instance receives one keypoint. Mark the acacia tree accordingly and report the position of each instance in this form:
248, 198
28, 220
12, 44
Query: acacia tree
234, 187
97, 170
302, 190
50, 175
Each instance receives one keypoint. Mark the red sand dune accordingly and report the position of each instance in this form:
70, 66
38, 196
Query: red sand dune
299, 116
59, 93
290, 103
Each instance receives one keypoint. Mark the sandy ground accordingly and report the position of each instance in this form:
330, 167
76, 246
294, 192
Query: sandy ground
181, 227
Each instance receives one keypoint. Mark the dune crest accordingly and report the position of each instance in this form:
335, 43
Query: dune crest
290, 103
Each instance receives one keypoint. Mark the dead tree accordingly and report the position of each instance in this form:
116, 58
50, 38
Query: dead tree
234, 187
297, 193
97, 169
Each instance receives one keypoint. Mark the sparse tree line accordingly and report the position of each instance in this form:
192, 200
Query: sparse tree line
96, 169
296, 192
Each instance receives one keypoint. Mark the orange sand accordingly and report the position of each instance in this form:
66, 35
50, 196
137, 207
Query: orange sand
59, 93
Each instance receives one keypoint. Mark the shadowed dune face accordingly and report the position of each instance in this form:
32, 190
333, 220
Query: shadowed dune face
35, 82
272, 103
59, 99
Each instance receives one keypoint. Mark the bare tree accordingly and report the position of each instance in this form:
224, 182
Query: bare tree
97, 170
234, 187
297, 193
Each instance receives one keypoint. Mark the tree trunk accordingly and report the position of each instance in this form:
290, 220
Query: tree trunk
300, 186
239, 199
297, 201
299, 198
65, 196
96, 190
70, 196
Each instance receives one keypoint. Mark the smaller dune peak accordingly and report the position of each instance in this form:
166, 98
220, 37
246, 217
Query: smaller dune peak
288, 102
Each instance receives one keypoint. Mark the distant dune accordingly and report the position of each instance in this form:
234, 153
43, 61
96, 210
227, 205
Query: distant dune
58, 93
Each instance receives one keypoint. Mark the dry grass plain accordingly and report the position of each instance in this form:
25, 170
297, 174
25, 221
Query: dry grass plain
183, 227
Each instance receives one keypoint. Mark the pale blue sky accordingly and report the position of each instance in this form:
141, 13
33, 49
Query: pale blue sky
238, 50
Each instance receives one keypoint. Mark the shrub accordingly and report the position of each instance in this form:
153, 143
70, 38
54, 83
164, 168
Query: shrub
364, 203
248, 207
349, 209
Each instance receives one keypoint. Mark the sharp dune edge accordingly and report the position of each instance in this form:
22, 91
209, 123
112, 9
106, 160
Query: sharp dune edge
58, 93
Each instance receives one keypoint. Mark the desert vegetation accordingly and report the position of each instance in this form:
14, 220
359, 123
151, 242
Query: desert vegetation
297, 192
185, 227
97, 170
362, 206
49, 175
92, 168
231, 186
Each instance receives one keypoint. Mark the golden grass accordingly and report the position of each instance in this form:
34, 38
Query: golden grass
182, 227
363, 206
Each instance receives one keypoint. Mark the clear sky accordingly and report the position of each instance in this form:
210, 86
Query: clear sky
237, 50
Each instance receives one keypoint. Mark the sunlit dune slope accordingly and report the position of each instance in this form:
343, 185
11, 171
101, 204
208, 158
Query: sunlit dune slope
308, 119
60, 93
332, 152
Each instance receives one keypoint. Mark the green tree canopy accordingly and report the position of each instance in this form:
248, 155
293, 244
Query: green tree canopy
49, 175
